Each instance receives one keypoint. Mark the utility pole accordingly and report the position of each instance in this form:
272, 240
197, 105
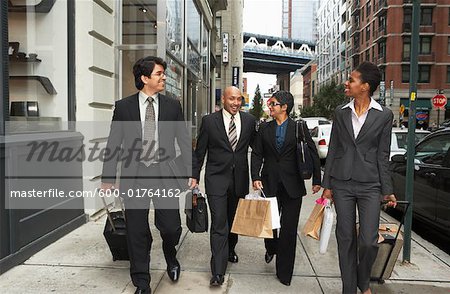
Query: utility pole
411, 129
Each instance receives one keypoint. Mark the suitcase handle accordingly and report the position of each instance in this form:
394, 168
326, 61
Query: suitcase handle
402, 219
108, 213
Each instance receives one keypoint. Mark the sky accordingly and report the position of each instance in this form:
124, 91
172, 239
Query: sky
261, 17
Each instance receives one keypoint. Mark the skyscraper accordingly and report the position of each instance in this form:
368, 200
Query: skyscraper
299, 19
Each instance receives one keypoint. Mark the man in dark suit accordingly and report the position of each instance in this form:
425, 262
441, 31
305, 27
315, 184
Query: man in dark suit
275, 151
225, 135
142, 138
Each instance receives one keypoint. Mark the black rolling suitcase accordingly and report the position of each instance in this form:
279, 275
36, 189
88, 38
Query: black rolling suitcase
389, 248
115, 232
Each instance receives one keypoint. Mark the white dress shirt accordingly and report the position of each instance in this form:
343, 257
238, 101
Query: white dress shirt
227, 121
143, 102
358, 122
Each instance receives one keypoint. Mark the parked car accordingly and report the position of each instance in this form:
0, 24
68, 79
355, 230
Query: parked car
321, 138
431, 199
399, 139
313, 122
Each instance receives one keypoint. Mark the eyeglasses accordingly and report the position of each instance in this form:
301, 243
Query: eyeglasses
159, 74
273, 103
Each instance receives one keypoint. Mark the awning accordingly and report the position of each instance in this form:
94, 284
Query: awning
422, 104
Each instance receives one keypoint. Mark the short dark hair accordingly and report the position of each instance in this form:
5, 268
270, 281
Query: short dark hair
285, 97
144, 67
370, 74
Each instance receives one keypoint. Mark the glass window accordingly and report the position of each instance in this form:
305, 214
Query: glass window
193, 26
315, 132
38, 52
368, 8
407, 15
434, 150
219, 27
381, 49
426, 16
139, 22
425, 45
448, 73
448, 45
424, 74
367, 33
405, 73
174, 79
174, 22
406, 48
205, 54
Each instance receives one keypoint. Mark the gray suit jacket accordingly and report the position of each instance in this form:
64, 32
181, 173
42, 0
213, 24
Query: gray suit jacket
364, 159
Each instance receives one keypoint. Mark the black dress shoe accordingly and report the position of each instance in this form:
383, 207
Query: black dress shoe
143, 291
216, 280
268, 257
232, 257
173, 271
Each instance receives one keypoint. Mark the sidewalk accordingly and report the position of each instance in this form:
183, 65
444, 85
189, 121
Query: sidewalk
81, 263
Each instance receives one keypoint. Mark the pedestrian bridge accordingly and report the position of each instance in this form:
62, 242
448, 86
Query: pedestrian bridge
273, 55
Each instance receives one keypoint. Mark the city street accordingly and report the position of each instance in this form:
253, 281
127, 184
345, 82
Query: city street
81, 263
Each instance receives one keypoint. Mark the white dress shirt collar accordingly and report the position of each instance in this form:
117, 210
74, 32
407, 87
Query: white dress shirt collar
373, 104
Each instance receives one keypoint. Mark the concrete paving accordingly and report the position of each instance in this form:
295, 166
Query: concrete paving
81, 262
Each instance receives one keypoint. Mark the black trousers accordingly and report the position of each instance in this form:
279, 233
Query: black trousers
223, 209
139, 238
284, 245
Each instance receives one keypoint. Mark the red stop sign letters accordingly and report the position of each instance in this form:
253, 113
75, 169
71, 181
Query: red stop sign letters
439, 101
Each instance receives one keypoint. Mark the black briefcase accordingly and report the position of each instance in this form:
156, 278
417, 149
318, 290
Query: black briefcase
196, 211
115, 233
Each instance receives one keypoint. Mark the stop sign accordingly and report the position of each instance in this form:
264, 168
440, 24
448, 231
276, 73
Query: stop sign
439, 101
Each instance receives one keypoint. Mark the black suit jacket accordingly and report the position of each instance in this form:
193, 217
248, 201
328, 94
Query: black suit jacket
221, 162
126, 136
364, 159
281, 166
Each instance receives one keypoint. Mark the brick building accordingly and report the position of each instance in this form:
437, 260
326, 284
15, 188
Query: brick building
381, 33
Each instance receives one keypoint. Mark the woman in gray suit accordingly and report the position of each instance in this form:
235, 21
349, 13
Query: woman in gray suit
356, 175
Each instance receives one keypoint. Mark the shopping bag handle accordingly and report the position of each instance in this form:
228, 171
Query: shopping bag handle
264, 195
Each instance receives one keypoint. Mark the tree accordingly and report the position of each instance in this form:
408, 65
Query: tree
328, 98
257, 109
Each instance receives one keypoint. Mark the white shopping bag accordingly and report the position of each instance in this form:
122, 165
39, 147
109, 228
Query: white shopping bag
275, 215
327, 224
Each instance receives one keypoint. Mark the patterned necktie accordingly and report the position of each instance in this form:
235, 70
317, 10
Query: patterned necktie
232, 134
149, 147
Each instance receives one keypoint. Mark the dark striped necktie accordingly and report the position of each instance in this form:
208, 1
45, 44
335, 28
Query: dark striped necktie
232, 134
149, 147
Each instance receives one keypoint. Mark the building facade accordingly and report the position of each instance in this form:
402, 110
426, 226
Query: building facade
299, 19
309, 72
229, 48
381, 33
297, 90
333, 41
64, 64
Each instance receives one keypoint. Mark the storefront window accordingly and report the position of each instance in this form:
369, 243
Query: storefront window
139, 22
193, 36
129, 58
174, 80
175, 28
38, 66
205, 54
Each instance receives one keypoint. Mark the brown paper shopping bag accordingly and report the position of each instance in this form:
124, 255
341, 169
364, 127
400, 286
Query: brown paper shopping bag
314, 222
253, 218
